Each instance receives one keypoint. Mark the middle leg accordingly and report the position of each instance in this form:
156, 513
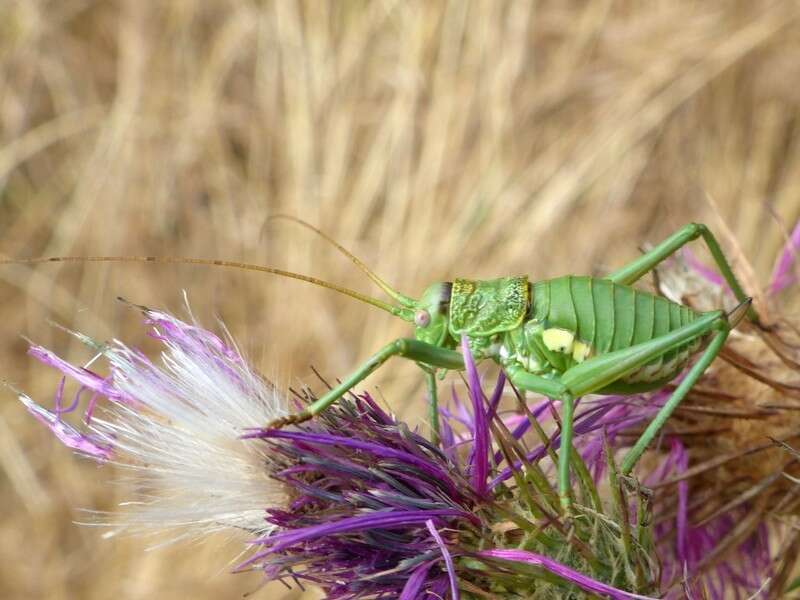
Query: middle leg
555, 390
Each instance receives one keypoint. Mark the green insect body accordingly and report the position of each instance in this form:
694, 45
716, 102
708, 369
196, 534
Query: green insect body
576, 318
550, 326
562, 338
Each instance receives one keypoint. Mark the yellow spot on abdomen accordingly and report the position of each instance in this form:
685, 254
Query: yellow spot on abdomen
580, 351
558, 340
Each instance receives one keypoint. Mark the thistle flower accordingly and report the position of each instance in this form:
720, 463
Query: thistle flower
378, 511
174, 428
354, 501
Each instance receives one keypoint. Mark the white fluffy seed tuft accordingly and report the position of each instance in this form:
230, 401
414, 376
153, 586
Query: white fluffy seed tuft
179, 437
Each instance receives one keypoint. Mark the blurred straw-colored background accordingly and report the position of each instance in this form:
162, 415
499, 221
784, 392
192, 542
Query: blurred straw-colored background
434, 139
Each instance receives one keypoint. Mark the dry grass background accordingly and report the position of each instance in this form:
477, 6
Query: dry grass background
432, 138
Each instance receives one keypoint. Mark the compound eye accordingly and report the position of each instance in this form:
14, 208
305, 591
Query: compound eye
422, 318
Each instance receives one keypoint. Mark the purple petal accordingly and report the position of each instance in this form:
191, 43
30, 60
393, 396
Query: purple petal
376, 411
613, 416
783, 273
411, 590
523, 424
191, 338
379, 520
60, 398
438, 588
66, 433
448, 439
448, 560
556, 568
682, 519
85, 377
497, 394
90, 406
480, 455
60, 410
462, 415
425, 466
708, 274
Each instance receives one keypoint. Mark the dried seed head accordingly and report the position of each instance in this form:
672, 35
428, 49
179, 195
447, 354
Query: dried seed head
748, 397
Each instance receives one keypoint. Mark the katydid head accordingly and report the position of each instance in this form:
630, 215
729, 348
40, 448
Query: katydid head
430, 314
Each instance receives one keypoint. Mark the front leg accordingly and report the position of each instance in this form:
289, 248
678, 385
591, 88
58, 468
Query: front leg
433, 403
406, 347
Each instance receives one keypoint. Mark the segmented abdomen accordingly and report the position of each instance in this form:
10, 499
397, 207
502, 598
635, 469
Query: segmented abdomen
606, 316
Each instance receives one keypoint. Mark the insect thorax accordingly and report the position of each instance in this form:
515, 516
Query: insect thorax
482, 309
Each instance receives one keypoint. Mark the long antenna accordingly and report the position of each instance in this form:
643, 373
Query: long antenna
395, 310
401, 298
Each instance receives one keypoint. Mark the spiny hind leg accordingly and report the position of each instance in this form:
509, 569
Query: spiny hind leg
411, 349
603, 370
710, 353
596, 373
648, 261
